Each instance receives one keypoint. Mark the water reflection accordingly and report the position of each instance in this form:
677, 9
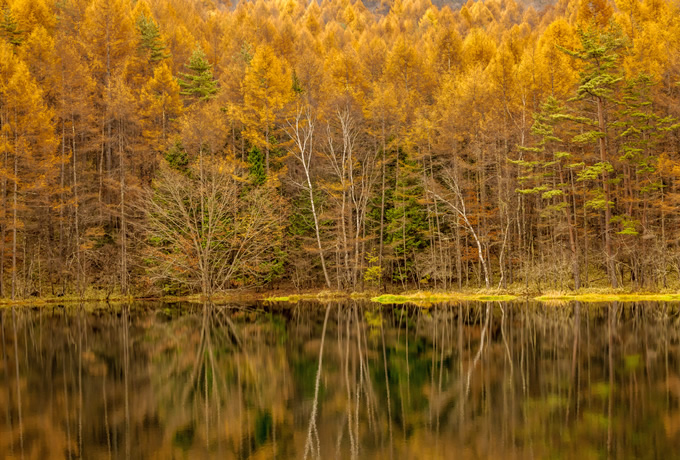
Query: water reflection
340, 380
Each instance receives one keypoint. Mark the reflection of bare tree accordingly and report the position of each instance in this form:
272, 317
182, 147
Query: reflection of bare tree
205, 387
475, 360
312, 432
8, 417
18, 387
573, 387
610, 360
364, 416
387, 388
126, 374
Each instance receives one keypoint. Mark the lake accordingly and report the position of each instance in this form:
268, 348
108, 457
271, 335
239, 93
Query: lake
346, 380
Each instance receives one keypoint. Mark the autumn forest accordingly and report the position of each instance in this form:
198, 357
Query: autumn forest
174, 147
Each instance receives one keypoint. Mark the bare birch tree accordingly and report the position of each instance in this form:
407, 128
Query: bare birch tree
356, 176
300, 130
455, 201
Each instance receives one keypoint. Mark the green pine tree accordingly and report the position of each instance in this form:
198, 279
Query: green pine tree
177, 157
640, 130
406, 218
151, 41
256, 166
9, 28
199, 83
600, 55
546, 172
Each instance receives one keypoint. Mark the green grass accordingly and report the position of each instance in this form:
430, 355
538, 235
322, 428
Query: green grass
428, 297
323, 295
595, 297
421, 298
288, 298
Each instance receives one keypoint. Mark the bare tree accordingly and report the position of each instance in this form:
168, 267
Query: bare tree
300, 130
207, 231
456, 202
356, 176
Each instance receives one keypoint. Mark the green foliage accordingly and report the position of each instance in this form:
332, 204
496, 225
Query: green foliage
297, 85
532, 191
588, 137
406, 219
274, 268
199, 83
300, 223
177, 157
601, 58
640, 131
256, 166
547, 168
300, 231
551, 194
598, 202
9, 28
150, 39
374, 272
595, 171
628, 224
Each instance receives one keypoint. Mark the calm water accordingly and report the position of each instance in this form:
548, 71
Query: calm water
345, 380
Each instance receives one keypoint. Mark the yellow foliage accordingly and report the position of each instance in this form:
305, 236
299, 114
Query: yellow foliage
478, 48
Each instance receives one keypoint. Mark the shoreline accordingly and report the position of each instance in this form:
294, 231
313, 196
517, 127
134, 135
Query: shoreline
422, 297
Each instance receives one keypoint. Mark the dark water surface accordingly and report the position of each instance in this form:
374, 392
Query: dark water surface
347, 380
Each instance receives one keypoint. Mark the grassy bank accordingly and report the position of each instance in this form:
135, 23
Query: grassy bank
428, 297
425, 298
443, 297
322, 295
608, 297
104, 297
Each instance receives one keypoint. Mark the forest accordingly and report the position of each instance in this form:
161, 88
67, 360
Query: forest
173, 147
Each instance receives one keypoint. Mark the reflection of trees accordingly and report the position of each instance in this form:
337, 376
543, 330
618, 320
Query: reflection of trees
26, 431
221, 378
342, 380
211, 380
510, 381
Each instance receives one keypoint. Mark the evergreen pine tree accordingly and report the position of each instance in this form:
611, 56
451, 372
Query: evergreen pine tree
406, 219
151, 41
9, 28
256, 166
546, 170
601, 77
199, 83
177, 157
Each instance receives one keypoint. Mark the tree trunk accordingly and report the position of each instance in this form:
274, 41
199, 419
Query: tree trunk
607, 210
123, 222
14, 224
316, 229
79, 268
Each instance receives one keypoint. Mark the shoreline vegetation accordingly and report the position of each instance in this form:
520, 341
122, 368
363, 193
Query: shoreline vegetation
421, 298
